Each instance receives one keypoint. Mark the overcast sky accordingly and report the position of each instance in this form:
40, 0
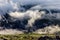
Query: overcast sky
14, 4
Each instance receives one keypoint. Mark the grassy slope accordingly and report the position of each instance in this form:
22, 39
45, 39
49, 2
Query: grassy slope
24, 36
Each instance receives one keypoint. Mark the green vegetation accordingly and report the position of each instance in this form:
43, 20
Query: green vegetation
25, 36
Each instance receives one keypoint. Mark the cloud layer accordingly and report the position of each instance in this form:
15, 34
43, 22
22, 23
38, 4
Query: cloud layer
29, 15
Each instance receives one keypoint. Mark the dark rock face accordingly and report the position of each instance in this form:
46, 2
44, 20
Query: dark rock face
55, 11
47, 11
45, 38
26, 7
8, 23
57, 38
51, 10
49, 38
41, 23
